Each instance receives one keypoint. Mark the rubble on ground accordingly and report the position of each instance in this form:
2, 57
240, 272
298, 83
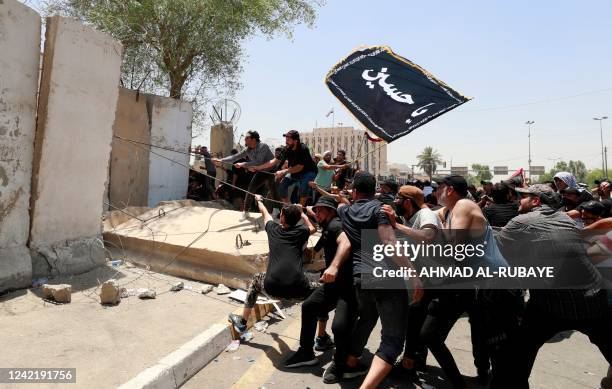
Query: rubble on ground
61, 293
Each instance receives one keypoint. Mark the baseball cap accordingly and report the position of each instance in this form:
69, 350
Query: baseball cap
293, 134
457, 182
593, 206
412, 192
326, 201
597, 182
484, 182
543, 191
574, 191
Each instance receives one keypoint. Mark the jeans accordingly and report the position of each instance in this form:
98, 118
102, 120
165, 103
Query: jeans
302, 181
260, 179
256, 287
322, 301
391, 305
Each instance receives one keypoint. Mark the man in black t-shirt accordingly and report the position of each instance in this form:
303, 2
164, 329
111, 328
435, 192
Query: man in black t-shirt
337, 292
284, 276
375, 296
301, 168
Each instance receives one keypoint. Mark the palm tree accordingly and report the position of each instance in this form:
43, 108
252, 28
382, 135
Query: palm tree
429, 160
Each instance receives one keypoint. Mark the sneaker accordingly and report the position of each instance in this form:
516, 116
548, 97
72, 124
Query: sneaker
240, 325
301, 358
323, 343
243, 217
352, 372
332, 374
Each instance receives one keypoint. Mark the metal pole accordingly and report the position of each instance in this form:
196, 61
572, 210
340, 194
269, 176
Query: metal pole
603, 165
606, 159
529, 123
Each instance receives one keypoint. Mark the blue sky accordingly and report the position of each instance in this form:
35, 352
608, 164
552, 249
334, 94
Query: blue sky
501, 53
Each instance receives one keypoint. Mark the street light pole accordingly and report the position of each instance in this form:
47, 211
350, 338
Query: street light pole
603, 164
529, 123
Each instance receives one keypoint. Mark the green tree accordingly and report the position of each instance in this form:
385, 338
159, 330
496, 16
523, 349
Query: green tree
429, 159
592, 175
577, 168
481, 172
186, 48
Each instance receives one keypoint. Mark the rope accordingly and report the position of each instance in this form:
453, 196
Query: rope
205, 174
177, 151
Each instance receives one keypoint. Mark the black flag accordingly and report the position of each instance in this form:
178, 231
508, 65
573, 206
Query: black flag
388, 94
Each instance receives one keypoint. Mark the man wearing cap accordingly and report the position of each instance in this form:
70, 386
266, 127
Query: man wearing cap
337, 293
573, 300
421, 225
257, 153
377, 296
301, 168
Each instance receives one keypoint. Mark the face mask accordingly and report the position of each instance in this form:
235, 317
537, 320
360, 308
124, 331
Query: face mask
399, 208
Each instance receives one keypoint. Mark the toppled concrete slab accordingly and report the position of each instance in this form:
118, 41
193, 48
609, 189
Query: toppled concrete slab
61, 293
186, 239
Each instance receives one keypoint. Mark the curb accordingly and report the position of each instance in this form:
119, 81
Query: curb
177, 367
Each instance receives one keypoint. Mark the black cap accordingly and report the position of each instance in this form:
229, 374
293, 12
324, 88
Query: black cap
574, 191
600, 181
594, 207
326, 201
457, 182
484, 182
392, 184
293, 134
253, 134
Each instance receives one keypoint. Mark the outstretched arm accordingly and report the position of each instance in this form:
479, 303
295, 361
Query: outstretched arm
311, 228
262, 208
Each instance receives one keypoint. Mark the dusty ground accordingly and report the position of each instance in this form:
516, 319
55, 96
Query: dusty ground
107, 345
572, 363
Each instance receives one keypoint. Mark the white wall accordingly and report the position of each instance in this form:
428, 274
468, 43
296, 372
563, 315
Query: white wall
78, 98
19, 64
171, 128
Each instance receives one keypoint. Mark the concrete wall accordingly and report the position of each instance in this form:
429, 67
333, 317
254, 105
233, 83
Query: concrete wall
129, 167
170, 123
19, 66
76, 111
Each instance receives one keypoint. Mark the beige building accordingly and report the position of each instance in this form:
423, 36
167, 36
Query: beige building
354, 142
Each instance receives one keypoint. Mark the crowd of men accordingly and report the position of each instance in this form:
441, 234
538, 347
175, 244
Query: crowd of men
560, 223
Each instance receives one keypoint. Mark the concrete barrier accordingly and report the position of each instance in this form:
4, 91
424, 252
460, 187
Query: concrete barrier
76, 111
19, 69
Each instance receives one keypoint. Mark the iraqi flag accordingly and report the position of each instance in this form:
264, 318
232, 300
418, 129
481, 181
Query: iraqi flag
388, 94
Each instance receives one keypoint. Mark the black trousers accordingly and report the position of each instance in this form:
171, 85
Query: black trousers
391, 305
538, 326
443, 311
257, 182
323, 300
